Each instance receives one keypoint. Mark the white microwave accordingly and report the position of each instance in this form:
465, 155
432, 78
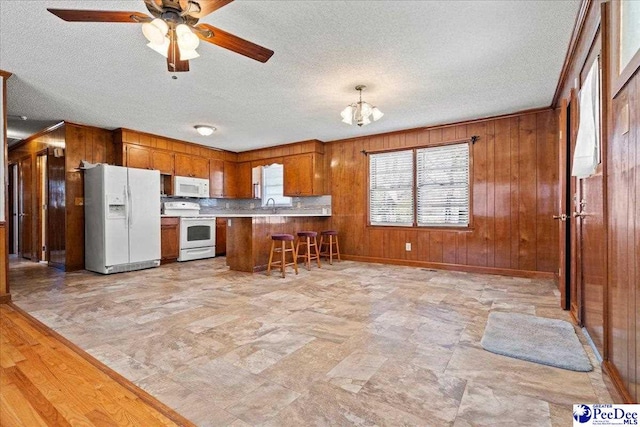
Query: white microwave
184, 186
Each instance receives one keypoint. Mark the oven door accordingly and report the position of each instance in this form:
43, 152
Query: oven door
197, 232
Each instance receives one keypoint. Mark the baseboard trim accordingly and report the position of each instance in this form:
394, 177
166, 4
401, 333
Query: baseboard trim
5, 299
610, 369
453, 267
140, 393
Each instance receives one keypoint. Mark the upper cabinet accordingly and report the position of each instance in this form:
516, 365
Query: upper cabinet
163, 161
230, 175
230, 179
216, 178
193, 166
303, 175
244, 187
137, 156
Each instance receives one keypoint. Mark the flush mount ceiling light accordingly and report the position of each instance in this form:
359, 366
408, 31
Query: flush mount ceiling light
360, 112
205, 130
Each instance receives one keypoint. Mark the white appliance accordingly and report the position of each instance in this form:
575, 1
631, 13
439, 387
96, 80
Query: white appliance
122, 218
197, 232
184, 186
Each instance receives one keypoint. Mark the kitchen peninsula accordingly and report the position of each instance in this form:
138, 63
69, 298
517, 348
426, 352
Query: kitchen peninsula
249, 236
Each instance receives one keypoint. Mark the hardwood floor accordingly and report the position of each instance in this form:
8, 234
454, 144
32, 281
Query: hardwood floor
45, 381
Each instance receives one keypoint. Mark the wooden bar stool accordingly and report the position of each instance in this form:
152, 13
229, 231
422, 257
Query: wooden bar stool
327, 246
283, 239
309, 240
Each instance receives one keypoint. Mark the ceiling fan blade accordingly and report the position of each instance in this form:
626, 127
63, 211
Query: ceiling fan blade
74, 15
174, 64
234, 43
208, 6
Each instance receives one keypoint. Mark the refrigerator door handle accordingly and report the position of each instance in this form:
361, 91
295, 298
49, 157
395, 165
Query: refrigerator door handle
129, 205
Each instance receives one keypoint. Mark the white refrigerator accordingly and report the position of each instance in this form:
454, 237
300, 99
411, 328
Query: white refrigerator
121, 218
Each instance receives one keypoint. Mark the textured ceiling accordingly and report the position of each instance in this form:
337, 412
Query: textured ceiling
424, 62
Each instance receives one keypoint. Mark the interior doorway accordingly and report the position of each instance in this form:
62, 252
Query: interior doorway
25, 205
13, 208
582, 207
42, 202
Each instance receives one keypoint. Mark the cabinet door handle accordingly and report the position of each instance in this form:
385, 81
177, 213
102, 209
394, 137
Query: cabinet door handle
561, 217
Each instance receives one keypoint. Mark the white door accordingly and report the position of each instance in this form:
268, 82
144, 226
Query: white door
116, 235
144, 215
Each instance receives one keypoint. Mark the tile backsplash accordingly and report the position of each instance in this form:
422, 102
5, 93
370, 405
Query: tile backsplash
319, 205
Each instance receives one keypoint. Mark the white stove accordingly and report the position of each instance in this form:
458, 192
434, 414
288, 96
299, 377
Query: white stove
197, 232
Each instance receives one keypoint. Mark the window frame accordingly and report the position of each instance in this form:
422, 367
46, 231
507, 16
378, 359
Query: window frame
288, 201
469, 227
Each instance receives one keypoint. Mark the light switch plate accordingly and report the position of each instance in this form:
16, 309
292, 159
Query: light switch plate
407, 247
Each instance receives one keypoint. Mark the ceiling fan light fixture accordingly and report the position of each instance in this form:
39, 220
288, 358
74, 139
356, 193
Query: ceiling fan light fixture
186, 55
155, 30
186, 39
205, 130
162, 48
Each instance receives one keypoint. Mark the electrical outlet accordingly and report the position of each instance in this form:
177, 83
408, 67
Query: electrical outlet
252, 205
407, 247
227, 205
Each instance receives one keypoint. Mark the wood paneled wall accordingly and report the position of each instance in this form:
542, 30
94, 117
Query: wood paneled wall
93, 145
515, 189
66, 208
4, 281
27, 152
624, 237
4, 244
620, 307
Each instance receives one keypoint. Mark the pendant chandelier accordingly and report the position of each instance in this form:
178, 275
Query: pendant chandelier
362, 113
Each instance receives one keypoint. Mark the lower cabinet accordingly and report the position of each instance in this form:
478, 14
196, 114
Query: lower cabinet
169, 239
221, 236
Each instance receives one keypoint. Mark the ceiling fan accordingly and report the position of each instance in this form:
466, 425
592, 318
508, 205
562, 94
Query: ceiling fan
173, 31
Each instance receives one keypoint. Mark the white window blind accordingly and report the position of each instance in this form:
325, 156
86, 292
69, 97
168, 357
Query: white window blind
443, 185
273, 185
391, 188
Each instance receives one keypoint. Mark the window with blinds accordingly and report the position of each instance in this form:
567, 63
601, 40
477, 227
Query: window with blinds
442, 187
273, 185
391, 188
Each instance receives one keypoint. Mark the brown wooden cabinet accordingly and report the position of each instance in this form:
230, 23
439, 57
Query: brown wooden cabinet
303, 175
244, 188
169, 239
230, 179
216, 178
221, 236
193, 166
137, 156
162, 161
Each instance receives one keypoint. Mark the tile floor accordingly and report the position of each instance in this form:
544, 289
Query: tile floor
348, 344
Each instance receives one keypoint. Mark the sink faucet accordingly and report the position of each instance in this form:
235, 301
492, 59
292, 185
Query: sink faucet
271, 199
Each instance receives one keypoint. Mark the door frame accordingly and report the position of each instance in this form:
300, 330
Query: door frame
42, 204
13, 219
21, 208
564, 207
